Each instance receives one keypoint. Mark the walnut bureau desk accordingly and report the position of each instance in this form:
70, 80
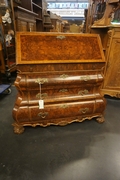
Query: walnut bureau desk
59, 79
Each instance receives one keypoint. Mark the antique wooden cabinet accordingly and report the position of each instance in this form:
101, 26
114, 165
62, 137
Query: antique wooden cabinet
107, 25
111, 84
59, 79
24, 19
2, 62
7, 39
28, 15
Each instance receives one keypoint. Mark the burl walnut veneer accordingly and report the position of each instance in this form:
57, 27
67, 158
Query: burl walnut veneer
65, 71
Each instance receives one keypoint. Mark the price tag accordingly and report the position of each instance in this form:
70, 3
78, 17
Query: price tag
41, 104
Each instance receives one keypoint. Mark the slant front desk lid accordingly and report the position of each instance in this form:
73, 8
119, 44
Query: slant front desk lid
41, 47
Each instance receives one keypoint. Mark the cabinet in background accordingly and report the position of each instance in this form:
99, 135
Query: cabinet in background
2, 63
107, 25
112, 73
7, 38
56, 22
28, 15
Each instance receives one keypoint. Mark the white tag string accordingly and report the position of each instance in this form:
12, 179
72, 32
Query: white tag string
41, 102
40, 89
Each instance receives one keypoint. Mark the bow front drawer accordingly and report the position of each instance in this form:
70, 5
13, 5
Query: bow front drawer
59, 78
55, 112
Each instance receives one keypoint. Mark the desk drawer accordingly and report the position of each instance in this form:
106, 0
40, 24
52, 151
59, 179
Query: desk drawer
31, 81
60, 94
53, 112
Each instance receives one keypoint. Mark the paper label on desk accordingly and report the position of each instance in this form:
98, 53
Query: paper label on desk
41, 104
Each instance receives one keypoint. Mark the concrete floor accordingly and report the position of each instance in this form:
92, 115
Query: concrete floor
79, 151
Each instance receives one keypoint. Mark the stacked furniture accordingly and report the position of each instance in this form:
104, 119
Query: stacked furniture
108, 27
28, 15
59, 79
7, 39
111, 84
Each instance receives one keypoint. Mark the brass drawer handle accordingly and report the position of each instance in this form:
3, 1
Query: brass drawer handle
41, 80
84, 110
63, 90
63, 76
64, 106
86, 78
43, 114
60, 37
43, 95
84, 92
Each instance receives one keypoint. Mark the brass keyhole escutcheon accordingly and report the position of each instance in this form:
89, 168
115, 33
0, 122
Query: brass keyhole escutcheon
43, 114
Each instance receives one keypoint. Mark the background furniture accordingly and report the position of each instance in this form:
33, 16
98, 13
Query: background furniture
111, 84
28, 15
7, 39
16, 15
66, 75
108, 27
2, 63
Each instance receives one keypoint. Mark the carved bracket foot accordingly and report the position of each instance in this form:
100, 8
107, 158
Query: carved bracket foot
18, 129
100, 119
